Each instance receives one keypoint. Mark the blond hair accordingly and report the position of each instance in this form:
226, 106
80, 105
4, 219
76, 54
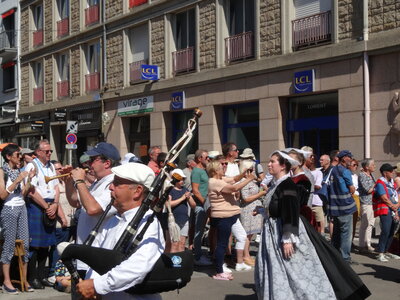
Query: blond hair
212, 168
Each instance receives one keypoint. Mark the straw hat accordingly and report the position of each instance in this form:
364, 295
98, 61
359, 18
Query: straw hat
248, 153
397, 170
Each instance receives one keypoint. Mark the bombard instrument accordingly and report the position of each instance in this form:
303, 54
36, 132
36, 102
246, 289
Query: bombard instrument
47, 179
171, 271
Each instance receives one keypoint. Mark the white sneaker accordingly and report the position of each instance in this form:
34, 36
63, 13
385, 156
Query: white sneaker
52, 279
226, 269
381, 257
203, 261
391, 255
242, 267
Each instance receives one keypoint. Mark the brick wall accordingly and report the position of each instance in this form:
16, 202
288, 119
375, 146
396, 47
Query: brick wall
270, 28
157, 44
350, 19
114, 8
207, 31
24, 86
115, 60
384, 15
75, 13
75, 71
48, 79
25, 30
48, 21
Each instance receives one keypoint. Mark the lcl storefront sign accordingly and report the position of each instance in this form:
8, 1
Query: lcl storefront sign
304, 81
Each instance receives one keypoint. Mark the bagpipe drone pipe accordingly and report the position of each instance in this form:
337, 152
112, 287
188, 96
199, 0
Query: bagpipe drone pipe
172, 270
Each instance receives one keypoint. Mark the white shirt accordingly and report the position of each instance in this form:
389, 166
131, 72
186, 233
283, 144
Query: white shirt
46, 190
14, 199
354, 177
232, 169
101, 193
317, 174
133, 270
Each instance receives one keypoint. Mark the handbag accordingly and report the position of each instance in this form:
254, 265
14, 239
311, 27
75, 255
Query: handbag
323, 192
49, 222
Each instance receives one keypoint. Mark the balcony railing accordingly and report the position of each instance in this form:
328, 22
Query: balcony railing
38, 95
239, 47
38, 38
7, 39
63, 88
183, 60
312, 30
135, 71
133, 3
62, 27
92, 81
92, 15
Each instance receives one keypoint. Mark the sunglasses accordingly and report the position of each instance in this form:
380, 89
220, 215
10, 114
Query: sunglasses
236, 150
354, 165
47, 151
224, 163
58, 169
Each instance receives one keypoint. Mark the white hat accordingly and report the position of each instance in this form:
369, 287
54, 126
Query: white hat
138, 173
248, 153
26, 151
179, 172
213, 154
127, 157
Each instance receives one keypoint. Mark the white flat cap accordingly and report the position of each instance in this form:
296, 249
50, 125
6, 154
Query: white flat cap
135, 172
179, 172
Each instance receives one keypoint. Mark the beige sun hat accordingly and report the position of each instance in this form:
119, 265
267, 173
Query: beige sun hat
248, 153
397, 170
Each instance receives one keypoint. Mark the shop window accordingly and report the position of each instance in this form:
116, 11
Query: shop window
185, 42
313, 121
139, 136
241, 126
179, 126
139, 46
9, 76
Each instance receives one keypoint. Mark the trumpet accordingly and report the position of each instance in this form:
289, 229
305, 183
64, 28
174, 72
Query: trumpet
50, 178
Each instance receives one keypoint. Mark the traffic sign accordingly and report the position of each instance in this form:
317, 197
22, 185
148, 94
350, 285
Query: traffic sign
71, 146
72, 126
71, 138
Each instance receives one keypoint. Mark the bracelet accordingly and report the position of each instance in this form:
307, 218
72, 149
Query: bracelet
8, 191
78, 181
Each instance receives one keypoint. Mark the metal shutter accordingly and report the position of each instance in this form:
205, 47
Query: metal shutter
306, 8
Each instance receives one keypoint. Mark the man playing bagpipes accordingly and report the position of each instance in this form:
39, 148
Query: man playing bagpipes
129, 188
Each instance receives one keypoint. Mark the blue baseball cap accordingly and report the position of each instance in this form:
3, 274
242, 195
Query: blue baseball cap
344, 153
106, 149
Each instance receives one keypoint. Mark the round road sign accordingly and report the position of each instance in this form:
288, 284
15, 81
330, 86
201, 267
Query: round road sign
71, 138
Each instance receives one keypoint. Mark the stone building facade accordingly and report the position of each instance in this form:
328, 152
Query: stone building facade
245, 82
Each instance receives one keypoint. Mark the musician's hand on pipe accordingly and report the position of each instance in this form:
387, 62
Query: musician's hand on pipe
66, 169
86, 289
78, 174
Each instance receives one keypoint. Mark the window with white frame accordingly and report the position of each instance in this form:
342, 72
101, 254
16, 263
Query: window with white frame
38, 16
63, 66
185, 30
139, 49
38, 74
63, 9
93, 58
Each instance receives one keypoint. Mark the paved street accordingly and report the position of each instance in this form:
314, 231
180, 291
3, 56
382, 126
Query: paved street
381, 278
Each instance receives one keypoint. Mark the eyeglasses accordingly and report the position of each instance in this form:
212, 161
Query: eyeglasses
58, 169
47, 151
93, 159
236, 150
18, 154
224, 163
354, 165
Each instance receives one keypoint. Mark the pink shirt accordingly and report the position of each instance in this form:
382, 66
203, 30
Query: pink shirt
154, 166
222, 205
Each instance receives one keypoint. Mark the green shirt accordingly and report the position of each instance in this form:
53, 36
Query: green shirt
200, 176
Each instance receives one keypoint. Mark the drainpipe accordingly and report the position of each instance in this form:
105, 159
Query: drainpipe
367, 107
18, 43
104, 65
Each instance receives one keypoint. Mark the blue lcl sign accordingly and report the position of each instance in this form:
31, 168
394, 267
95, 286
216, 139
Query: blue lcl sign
150, 72
178, 101
304, 81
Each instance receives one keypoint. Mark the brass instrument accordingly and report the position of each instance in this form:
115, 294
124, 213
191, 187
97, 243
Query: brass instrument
50, 178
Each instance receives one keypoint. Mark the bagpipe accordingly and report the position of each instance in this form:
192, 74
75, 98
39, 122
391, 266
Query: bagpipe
172, 270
